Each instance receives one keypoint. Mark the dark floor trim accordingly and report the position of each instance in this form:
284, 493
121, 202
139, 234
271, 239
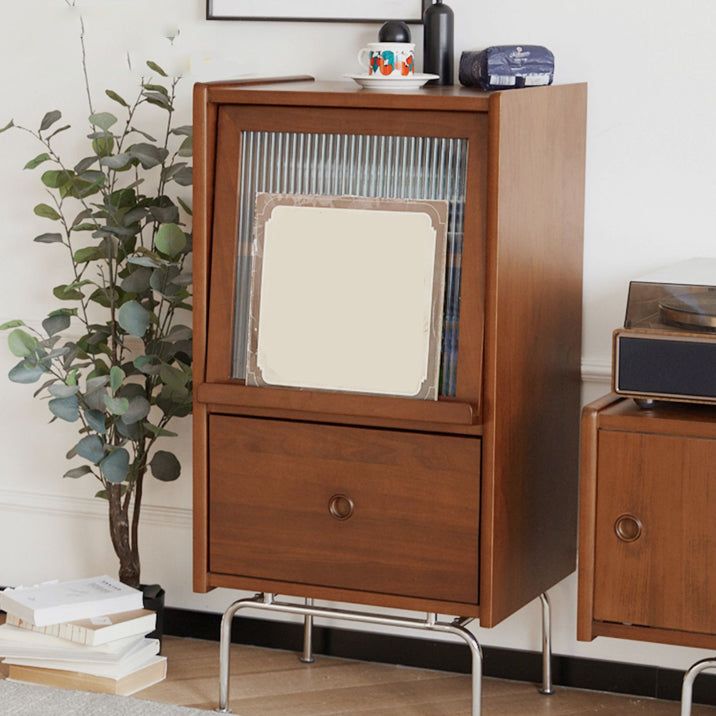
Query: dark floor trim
577, 672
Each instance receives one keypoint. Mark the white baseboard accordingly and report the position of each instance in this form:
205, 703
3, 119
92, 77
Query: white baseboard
90, 507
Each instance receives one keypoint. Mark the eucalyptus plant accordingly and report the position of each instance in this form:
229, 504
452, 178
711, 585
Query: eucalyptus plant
114, 356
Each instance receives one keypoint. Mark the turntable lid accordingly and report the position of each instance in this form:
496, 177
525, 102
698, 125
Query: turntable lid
693, 272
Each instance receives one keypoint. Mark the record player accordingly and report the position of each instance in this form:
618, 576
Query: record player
667, 348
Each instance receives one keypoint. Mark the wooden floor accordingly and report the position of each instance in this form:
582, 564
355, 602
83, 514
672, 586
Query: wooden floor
266, 682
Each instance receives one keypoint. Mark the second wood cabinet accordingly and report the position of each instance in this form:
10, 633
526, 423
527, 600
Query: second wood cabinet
648, 533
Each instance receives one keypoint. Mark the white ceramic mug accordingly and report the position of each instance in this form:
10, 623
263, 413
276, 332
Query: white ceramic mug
388, 59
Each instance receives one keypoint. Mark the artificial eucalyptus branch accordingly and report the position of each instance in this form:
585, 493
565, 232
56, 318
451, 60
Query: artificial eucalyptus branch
116, 356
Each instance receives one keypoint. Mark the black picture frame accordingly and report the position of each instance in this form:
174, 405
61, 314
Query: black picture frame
232, 10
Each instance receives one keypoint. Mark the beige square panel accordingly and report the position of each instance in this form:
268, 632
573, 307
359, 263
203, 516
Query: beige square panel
347, 294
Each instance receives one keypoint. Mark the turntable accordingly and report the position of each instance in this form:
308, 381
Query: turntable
667, 348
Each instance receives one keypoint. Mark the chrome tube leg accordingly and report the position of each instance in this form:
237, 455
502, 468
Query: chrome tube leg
225, 651
267, 602
687, 686
307, 657
547, 687
476, 652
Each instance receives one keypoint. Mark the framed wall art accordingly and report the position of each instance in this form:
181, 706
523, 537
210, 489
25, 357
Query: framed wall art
317, 10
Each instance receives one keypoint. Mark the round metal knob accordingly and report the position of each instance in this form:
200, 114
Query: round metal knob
341, 506
628, 528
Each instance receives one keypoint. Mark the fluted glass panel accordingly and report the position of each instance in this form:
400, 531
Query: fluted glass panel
354, 165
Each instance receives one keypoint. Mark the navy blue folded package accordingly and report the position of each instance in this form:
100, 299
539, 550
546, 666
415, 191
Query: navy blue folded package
507, 67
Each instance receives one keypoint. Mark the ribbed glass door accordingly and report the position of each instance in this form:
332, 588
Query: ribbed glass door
354, 165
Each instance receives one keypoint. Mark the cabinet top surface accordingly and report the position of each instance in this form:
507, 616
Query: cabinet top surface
625, 414
302, 91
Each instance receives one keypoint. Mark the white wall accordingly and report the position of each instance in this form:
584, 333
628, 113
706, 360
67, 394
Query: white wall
651, 200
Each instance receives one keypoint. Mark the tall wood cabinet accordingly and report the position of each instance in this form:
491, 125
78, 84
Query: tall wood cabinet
462, 505
647, 531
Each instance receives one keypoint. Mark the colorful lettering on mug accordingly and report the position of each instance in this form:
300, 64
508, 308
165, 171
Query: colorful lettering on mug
386, 63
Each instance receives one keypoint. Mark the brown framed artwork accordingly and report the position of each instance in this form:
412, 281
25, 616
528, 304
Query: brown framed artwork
316, 10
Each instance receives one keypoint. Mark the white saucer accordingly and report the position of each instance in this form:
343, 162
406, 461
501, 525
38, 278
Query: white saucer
390, 83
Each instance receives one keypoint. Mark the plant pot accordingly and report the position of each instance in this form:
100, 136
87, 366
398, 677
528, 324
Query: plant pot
153, 595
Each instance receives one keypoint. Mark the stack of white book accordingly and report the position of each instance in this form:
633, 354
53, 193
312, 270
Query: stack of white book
88, 634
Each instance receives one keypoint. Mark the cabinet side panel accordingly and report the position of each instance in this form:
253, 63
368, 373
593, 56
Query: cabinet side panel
587, 514
204, 117
533, 344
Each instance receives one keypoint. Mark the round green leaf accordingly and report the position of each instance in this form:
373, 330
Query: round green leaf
117, 161
133, 318
116, 406
138, 410
91, 448
103, 120
21, 343
95, 419
137, 281
60, 390
25, 372
56, 323
115, 467
165, 466
148, 155
56, 178
65, 408
170, 240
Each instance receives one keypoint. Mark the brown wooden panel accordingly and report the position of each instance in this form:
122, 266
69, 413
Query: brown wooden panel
414, 529
665, 577
651, 634
446, 411
587, 515
662, 418
531, 401
348, 95
332, 594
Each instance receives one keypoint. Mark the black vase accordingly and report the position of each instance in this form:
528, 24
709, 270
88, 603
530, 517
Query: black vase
438, 42
153, 597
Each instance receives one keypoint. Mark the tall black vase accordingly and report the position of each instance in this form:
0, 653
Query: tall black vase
438, 42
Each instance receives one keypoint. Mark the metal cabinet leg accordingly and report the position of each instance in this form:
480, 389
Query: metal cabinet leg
267, 602
307, 657
687, 686
547, 687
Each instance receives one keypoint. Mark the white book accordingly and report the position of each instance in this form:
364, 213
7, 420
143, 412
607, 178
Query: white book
23, 644
55, 602
151, 673
130, 663
95, 630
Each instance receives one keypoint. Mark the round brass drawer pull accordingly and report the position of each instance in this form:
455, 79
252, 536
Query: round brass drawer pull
628, 528
341, 506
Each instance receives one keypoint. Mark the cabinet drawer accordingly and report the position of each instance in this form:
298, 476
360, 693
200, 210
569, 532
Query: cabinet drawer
365, 509
655, 546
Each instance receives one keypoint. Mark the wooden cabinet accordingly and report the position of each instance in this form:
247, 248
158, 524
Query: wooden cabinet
461, 505
648, 534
